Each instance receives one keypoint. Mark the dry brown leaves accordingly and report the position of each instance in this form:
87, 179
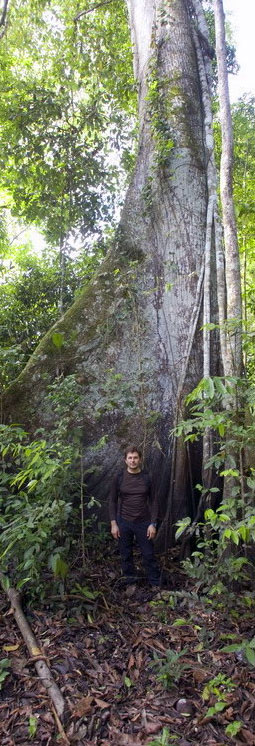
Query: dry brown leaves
103, 668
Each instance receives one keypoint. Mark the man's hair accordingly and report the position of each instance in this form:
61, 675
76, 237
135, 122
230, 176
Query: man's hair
133, 449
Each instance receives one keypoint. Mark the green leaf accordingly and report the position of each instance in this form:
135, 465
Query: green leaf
182, 526
22, 582
210, 387
218, 707
5, 582
86, 592
230, 473
210, 515
244, 533
235, 537
233, 728
252, 642
32, 727
231, 648
250, 654
57, 339
219, 386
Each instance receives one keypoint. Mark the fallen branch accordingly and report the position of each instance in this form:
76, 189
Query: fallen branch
37, 656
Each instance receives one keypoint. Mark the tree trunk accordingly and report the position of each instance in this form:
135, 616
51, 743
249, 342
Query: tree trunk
140, 318
3, 18
232, 359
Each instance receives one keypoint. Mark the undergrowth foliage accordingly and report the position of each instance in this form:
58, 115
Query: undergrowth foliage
44, 506
34, 511
226, 532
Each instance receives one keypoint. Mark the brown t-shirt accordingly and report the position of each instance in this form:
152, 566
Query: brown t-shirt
131, 498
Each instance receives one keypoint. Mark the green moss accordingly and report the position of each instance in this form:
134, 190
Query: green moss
171, 110
125, 248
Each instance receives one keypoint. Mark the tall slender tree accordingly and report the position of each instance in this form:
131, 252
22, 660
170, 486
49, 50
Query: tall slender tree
232, 359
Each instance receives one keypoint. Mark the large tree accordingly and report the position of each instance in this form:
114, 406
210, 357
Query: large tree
133, 338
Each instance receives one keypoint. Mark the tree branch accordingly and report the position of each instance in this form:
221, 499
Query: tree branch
84, 12
3, 17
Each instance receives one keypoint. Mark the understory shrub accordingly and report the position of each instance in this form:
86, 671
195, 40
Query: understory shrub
225, 532
34, 507
44, 507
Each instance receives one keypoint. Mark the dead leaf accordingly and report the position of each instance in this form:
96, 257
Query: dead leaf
248, 736
101, 703
124, 739
83, 707
139, 658
151, 728
136, 673
137, 641
131, 661
10, 648
159, 645
200, 674
18, 665
47, 718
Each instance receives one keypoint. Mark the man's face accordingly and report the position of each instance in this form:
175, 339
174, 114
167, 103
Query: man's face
133, 461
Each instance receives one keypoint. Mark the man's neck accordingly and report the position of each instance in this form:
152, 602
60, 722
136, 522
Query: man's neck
134, 471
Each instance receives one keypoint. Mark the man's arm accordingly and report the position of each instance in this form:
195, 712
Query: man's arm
113, 502
153, 503
151, 531
115, 532
154, 510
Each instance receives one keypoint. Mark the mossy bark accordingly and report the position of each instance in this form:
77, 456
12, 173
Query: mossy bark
136, 318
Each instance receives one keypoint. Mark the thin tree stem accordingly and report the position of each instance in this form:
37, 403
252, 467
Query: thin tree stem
233, 364
82, 511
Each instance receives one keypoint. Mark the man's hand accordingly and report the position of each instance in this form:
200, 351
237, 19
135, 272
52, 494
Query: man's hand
151, 531
115, 530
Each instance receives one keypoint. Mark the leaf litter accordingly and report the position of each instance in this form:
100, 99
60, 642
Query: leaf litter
133, 669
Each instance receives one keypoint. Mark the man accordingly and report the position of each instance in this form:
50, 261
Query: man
134, 513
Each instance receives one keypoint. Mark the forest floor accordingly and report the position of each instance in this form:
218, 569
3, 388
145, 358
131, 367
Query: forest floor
115, 658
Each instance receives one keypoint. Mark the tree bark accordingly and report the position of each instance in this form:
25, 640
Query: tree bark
140, 317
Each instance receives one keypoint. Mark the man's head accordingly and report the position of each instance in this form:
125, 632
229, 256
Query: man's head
133, 458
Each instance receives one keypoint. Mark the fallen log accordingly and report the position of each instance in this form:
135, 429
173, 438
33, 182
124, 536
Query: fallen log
36, 654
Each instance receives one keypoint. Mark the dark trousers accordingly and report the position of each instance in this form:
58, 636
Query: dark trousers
128, 531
